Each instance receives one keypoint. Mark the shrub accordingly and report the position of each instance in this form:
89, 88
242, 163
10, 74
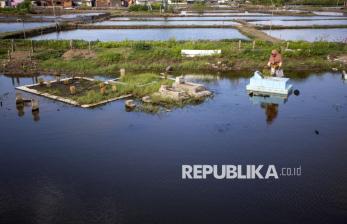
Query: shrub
110, 57
137, 8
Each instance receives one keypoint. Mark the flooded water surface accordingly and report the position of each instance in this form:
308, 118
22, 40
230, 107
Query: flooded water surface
301, 22
10, 27
145, 34
105, 165
229, 18
164, 23
311, 35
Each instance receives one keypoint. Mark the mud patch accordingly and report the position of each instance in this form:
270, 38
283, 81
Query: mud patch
78, 53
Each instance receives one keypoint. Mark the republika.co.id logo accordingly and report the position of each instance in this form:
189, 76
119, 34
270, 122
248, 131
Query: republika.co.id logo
238, 171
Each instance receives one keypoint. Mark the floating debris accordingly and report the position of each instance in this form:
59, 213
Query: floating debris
316, 132
296, 92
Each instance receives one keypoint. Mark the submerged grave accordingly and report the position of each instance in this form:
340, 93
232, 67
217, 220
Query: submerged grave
78, 91
87, 92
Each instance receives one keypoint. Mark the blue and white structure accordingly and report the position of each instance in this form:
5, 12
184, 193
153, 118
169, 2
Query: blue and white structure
263, 85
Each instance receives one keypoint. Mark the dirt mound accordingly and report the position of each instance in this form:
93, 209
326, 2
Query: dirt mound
78, 53
20, 55
20, 62
342, 58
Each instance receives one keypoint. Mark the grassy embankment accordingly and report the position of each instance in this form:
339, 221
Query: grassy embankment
109, 57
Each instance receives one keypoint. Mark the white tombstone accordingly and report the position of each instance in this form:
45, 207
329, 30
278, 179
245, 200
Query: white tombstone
194, 53
179, 80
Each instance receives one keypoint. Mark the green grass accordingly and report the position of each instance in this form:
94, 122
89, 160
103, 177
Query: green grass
157, 55
88, 92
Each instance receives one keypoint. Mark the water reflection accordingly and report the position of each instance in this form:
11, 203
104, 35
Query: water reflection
20, 110
145, 34
87, 164
271, 111
270, 104
36, 115
311, 35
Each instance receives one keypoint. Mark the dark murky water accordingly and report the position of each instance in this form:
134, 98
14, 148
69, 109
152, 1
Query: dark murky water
105, 165
145, 34
332, 35
10, 27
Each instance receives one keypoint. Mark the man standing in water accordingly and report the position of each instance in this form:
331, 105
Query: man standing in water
275, 63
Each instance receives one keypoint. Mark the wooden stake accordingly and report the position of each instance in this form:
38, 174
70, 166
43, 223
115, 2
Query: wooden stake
32, 46
70, 44
12, 45
89, 47
239, 45
253, 45
122, 72
287, 45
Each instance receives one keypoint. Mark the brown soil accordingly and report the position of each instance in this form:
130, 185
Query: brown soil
63, 90
250, 31
78, 53
342, 58
20, 62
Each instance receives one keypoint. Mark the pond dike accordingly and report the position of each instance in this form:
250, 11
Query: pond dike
277, 27
91, 26
69, 24
37, 31
252, 32
47, 18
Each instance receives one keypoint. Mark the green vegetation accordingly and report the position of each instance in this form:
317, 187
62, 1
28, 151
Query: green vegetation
199, 7
89, 92
22, 8
138, 8
109, 57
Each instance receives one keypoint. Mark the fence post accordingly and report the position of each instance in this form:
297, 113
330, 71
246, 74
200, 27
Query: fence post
253, 47
70, 44
12, 45
31, 46
89, 47
239, 45
287, 45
